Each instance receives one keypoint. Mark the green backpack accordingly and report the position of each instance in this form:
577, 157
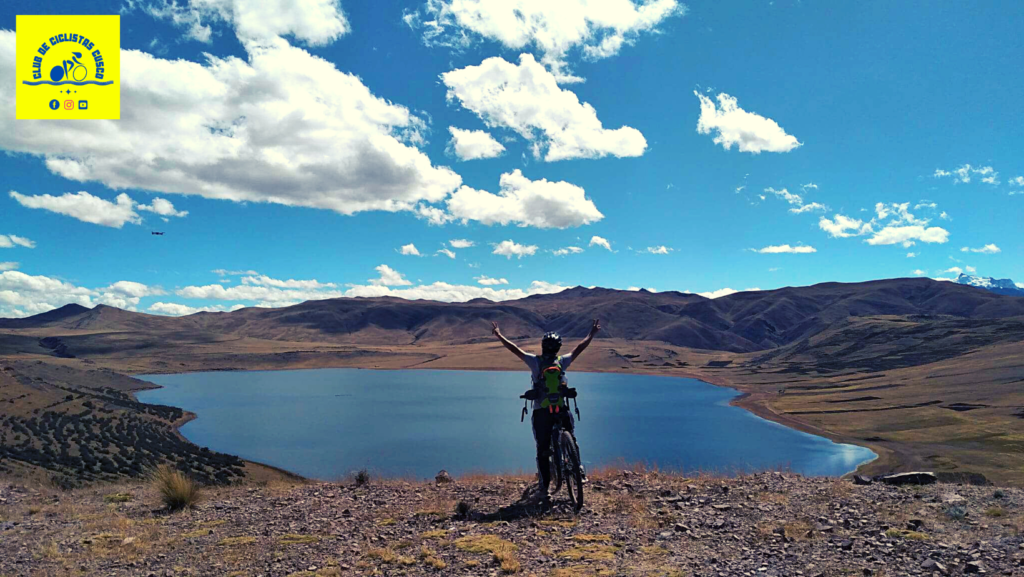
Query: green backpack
551, 377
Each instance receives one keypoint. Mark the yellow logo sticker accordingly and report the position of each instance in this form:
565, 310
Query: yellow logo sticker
68, 67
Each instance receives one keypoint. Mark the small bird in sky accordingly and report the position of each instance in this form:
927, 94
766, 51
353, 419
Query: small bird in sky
157, 233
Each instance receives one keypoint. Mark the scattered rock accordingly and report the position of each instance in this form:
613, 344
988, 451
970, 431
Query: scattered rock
915, 478
861, 480
443, 478
767, 525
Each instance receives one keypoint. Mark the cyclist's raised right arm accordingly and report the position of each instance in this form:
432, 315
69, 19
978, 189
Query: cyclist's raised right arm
508, 344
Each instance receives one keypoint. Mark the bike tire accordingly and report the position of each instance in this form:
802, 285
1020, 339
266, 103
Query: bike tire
571, 470
555, 463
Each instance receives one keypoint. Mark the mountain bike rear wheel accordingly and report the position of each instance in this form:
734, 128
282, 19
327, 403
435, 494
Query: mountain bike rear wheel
570, 462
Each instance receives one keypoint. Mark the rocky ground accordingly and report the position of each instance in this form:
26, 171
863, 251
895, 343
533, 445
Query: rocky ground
636, 522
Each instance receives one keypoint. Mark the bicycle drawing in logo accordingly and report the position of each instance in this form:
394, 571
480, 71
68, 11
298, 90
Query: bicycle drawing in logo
72, 69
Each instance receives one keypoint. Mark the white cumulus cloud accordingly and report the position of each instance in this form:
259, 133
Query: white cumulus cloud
810, 207
473, 144
527, 99
963, 174
163, 207
445, 292
488, 281
8, 266
525, 202
786, 249
987, 249
732, 125
389, 277
598, 29
509, 249
279, 126
409, 249
446, 252
263, 280
85, 207
24, 295
178, 310
461, 243
567, 250
908, 235
317, 22
662, 249
11, 241
724, 292
602, 242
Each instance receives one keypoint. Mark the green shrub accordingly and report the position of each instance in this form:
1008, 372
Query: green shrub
361, 477
956, 512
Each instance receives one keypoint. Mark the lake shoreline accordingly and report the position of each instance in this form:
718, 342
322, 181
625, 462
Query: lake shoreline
744, 399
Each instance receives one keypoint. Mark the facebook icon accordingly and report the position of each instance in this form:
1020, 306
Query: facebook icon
54, 104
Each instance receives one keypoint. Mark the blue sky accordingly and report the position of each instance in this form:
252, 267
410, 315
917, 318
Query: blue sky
712, 145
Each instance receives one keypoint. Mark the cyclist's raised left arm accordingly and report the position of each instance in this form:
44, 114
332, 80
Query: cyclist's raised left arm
586, 342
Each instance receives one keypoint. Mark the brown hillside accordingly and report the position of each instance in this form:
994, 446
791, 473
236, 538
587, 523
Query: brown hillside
742, 322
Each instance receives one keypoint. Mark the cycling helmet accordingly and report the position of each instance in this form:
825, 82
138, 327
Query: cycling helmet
551, 342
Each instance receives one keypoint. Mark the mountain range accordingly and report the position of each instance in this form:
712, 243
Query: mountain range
741, 322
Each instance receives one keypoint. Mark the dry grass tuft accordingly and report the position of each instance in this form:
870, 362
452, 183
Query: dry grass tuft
198, 533
234, 541
177, 490
296, 539
435, 534
381, 554
505, 557
482, 543
913, 535
118, 498
995, 512
49, 551
590, 553
635, 508
796, 530
591, 538
557, 523
437, 563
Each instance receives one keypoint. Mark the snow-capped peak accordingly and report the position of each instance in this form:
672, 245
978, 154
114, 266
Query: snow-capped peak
1003, 286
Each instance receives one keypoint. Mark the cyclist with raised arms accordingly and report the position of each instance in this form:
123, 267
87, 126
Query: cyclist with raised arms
542, 417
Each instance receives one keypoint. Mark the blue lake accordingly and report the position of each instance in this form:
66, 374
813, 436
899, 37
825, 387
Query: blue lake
326, 423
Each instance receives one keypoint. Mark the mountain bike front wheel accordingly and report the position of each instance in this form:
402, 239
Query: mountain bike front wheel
570, 461
555, 463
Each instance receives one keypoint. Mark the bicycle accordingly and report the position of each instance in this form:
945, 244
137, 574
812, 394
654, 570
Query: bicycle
72, 69
565, 453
